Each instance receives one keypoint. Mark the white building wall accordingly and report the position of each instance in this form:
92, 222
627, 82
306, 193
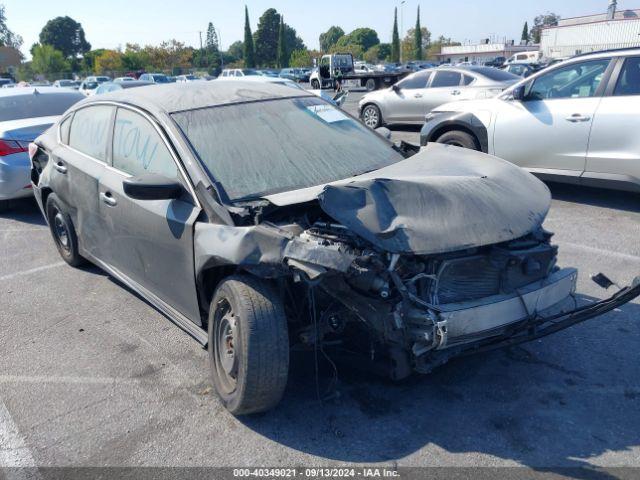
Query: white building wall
482, 52
571, 40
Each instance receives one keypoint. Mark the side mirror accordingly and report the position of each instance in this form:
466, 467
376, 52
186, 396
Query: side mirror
384, 131
395, 88
152, 187
518, 93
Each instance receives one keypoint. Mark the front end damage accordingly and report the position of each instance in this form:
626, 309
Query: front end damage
409, 269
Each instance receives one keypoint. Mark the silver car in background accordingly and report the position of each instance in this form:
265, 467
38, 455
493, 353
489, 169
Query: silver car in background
409, 100
24, 114
575, 122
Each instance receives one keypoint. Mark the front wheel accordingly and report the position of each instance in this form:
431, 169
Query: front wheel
459, 139
371, 116
248, 345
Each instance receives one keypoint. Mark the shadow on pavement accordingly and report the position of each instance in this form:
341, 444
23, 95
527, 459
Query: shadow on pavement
24, 210
597, 197
550, 404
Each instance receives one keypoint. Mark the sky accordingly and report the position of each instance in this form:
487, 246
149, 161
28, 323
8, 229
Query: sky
113, 23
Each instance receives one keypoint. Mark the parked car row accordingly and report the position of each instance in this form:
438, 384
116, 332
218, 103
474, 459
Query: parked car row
409, 100
574, 122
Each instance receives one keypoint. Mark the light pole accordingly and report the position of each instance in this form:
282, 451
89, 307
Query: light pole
401, 27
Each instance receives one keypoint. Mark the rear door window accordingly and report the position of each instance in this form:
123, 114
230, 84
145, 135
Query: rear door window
446, 79
415, 81
89, 132
138, 148
65, 127
629, 79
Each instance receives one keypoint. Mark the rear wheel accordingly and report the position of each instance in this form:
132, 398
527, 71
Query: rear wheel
248, 345
64, 235
371, 116
370, 85
315, 84
459, 139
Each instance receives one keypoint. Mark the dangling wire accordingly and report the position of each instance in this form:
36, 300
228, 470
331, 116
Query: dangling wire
317, 346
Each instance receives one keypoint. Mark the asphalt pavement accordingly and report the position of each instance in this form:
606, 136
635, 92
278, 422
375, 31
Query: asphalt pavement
92, 375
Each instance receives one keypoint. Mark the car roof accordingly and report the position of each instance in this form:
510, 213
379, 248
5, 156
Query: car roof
618, 52
14, 92
168, 98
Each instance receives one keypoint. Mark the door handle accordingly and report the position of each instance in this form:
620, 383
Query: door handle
455, 92
577, 117
417, 95
108, 199
59, 166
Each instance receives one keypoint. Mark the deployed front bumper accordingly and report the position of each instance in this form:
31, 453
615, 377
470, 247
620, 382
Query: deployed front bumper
472, 321
499, 324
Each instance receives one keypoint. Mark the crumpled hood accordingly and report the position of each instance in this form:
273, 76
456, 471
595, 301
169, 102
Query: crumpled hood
440, 200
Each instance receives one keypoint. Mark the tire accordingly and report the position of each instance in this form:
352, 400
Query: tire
247, 319
370, 85
458, 138
64, 235
315, 85
371, 116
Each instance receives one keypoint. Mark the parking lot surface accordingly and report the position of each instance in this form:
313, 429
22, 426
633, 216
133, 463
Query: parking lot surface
91, 375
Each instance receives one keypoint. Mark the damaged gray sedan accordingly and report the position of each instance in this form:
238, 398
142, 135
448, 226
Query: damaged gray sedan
261, 219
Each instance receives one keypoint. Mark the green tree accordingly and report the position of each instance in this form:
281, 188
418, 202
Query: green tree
66, 35
546, 20
236, 50
417, 41
378, 53
360, 40
209, 56
109, 61
248, 52
283, 57
48, 61
329, 38
89, 59
293, 41
300, 58
408, 44
525, 33
395, 39
266, 38
7, 37
133, 58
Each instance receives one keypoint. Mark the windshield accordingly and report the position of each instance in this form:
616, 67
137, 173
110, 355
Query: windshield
90, 85
248, 71
260, 148
36, 105
160, 78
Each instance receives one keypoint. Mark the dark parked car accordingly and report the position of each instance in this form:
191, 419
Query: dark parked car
317, 233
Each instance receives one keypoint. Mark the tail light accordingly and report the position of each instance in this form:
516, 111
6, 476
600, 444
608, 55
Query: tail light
33, 149
9, 147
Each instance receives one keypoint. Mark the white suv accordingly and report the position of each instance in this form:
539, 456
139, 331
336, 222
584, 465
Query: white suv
574, 122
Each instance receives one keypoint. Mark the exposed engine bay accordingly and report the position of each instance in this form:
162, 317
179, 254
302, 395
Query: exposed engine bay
409, 266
